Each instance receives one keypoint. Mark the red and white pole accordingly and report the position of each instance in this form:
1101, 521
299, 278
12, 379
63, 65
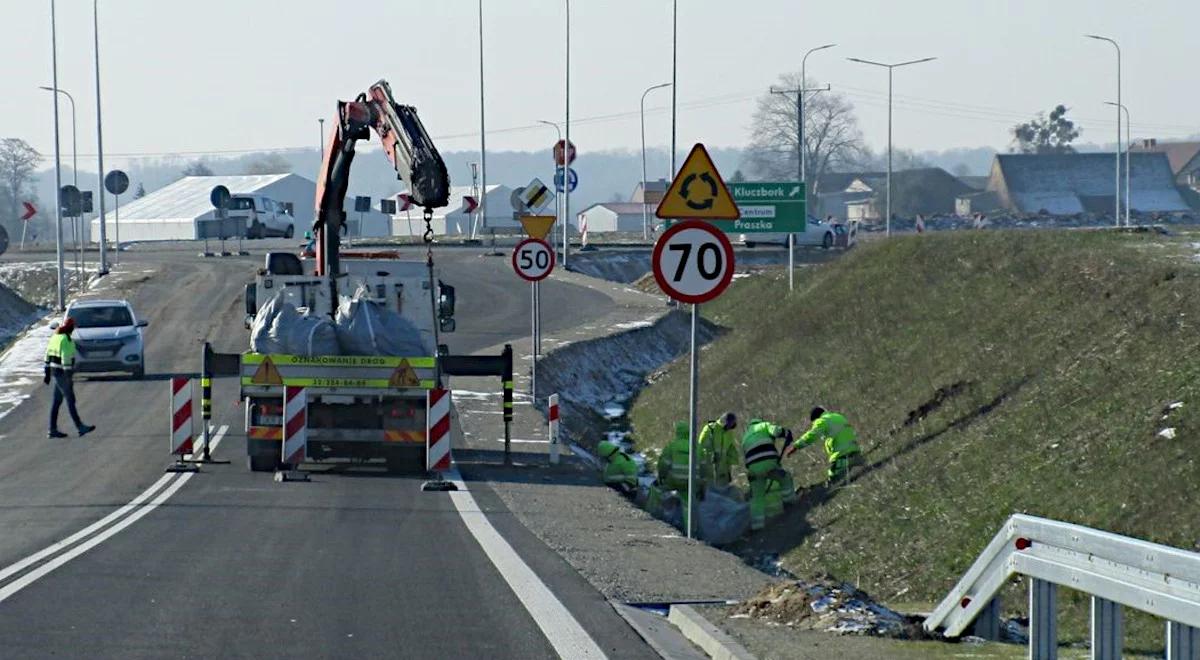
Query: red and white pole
552, 421
181, 416
295, 426
437, 436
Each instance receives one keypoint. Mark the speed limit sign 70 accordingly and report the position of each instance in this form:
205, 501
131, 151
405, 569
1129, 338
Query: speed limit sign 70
693, 262
533, 259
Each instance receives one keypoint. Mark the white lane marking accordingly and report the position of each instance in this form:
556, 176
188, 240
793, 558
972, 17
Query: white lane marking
35, 575
568, 638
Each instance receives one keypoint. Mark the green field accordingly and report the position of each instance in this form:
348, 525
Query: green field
988, 373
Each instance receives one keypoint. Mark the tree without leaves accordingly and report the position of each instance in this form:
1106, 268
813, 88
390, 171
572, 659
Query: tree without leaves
1046, 135
269, 163
17, 163
832, 139
197, 168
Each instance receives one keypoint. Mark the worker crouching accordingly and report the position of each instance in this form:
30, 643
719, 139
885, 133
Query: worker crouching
719, 444
839, 440
673, 466
620, 470
770, 484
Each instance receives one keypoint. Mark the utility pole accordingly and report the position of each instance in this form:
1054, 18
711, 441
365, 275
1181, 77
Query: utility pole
99, 139
482, 131
645, 208
800, 149
1117, 195
58, 232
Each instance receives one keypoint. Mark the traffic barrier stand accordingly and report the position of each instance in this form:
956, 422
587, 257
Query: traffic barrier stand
552, 428
437, 439
181, 424
295, 434
203, 453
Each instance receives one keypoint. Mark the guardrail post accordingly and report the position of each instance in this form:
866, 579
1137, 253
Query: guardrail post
1107, 635
1183, 642
1043, 623
987, 624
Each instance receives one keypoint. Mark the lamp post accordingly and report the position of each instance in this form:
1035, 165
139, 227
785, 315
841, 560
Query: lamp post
645, 210
566, 220
482, 134
99, 138
1117, 196
803, 82
557, 200
674, 77
58, 233
74, 171
890, 68
1128, 144
321, 137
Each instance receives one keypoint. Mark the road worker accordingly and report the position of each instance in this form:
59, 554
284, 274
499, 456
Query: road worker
719, 444
673, 466
620, 470
59, 367
770, 485
840, 441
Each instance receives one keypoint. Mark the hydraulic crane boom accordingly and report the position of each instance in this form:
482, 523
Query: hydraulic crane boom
407, 146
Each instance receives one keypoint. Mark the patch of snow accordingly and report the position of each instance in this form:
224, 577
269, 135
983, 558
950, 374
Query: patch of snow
1168, 433
632, 325
21, 366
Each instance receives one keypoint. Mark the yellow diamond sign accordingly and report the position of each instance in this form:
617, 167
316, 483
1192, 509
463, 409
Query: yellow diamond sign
698, 192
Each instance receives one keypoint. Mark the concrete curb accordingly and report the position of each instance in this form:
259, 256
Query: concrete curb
712, 640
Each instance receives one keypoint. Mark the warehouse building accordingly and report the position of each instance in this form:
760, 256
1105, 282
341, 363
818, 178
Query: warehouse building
173, 213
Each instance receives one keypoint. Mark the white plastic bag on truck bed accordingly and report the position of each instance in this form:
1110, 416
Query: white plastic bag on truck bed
261, 339
367, 328
304, 335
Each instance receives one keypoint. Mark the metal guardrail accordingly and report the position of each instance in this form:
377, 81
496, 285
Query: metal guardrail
1115, 570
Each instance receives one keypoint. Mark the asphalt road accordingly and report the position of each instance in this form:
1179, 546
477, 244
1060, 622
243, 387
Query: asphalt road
355, 563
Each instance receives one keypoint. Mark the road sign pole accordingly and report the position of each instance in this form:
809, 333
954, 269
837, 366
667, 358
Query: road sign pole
533, 339
117, 227
693, 423
791, 261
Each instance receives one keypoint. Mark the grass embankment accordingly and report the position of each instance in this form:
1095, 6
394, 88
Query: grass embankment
987, 373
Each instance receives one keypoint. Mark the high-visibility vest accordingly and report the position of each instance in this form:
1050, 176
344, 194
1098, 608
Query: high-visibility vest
758, 448
60, 353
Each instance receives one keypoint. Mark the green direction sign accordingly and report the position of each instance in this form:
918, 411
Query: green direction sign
778, 207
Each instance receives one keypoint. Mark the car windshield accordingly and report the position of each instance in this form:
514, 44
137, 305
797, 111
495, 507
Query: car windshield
241, 204
101, 317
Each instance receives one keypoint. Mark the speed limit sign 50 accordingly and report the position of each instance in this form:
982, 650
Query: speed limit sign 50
533, 259
693, 262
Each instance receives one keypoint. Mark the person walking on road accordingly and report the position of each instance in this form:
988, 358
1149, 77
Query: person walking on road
719, 444
840, 440
59, 366
770, 485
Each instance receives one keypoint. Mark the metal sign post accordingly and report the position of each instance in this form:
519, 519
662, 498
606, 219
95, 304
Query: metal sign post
532, 260
693, 263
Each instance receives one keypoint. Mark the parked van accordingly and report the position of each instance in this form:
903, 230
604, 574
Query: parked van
264, 216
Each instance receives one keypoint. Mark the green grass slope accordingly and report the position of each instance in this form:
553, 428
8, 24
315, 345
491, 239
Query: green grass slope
987, 373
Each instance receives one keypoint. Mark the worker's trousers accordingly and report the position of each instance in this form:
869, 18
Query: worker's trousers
838, 473
766, 500
64, 390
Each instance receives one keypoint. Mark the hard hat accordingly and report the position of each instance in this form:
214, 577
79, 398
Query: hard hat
816, 413
729, 420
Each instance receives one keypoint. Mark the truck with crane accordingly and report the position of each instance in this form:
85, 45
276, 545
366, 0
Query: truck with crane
360, 407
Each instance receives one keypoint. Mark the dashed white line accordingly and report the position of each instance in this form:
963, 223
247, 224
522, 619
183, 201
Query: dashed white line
139, 507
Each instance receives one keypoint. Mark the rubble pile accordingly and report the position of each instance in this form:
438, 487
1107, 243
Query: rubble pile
1010, 220
825, 604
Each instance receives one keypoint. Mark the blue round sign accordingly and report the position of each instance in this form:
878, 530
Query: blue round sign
573, 180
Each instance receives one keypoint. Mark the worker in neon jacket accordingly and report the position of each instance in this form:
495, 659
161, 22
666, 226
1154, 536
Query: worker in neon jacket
840, 442
770, 484
60, 367
673, 466
620, 470
720, 445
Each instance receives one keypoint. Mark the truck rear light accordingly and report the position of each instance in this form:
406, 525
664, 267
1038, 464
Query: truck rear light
1023, 543
965, 601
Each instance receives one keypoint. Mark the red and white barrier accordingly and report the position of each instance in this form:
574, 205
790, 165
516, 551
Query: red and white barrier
295, 425
437, 424
181, 416
552, 421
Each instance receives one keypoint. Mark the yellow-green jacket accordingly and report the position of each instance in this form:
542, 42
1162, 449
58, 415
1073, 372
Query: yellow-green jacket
838, 436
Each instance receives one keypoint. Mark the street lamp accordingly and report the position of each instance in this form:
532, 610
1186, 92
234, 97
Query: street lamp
803, 82
74, 170
566, 225
99, 138
645, 210
482, 135
57, 161
557, 200
321, 140
674, 79
1117, 196
1128, 144
890, 68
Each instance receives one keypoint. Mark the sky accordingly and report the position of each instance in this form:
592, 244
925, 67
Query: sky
230, 76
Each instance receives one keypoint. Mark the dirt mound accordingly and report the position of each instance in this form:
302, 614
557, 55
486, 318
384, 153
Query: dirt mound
827, 605
15, 314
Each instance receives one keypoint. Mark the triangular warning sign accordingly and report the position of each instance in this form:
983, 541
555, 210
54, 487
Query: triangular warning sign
267, 374
537, 226
404, 376
698, 192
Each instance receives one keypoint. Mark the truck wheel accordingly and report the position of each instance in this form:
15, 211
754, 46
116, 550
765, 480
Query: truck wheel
260, 463
289, 232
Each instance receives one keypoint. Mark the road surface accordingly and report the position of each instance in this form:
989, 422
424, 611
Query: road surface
228, 563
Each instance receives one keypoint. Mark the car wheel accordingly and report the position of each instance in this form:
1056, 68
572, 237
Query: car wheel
749, 244
261, 462
289, 232
257, 230
139, 373
827, 242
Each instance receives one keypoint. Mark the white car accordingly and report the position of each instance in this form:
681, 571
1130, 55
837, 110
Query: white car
108, 337
263, 216
816, 233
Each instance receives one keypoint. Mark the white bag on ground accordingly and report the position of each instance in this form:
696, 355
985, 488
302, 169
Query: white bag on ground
721, 518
